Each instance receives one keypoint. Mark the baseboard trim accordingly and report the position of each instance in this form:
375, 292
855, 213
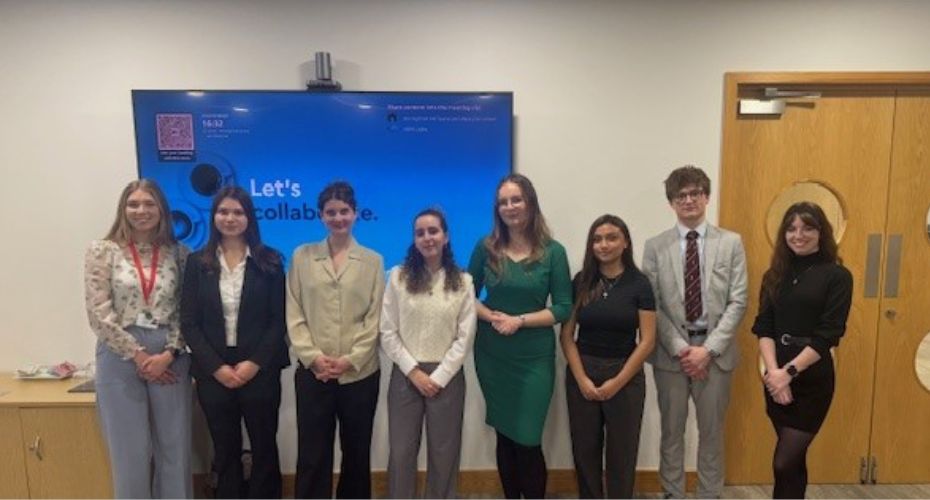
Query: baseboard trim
481, 482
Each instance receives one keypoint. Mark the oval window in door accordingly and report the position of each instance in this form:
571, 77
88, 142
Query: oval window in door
922, 362
806, 191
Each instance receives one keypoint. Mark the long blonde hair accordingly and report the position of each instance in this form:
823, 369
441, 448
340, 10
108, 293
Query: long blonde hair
121, 231
537, 232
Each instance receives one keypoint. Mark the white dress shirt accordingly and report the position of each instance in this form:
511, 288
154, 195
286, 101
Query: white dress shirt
231, 281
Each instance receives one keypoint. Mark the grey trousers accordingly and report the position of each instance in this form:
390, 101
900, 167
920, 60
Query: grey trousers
621, 416
147, 426
406, 410
711, 397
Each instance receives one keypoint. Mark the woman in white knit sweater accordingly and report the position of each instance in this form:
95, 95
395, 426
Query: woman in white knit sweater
427, 327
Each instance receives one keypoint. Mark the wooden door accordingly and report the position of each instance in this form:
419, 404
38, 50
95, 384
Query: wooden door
900, 434
841, 142
71, 459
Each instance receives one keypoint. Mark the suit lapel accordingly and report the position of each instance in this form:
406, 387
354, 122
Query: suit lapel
673, 247
248, 285
353, 254
711, 247
321, 254
212, 282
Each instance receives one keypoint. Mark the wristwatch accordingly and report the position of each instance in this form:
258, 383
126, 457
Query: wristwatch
791, 371
713, 354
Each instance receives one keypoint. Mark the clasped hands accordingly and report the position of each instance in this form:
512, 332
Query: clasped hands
504, 323
778, 384
154, 367
602, 392
427, 386
235, 376
326, 368
694, 360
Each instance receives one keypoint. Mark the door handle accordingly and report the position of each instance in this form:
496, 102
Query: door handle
36, 447
873, 262
891, 313
893, 266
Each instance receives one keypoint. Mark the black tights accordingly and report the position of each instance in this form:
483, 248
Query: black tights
790, 462
522, 469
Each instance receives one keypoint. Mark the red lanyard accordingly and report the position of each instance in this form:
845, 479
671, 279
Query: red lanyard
147, 286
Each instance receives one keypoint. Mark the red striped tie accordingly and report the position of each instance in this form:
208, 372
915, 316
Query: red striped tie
692, 278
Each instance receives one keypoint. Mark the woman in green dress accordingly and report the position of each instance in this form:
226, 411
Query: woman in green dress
521, 267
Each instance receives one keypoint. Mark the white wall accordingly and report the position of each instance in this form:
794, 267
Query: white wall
610, 96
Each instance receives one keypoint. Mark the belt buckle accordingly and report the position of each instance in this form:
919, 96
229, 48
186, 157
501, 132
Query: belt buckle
785, 339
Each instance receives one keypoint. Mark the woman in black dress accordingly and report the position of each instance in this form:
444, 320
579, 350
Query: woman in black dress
604, 385
805, 299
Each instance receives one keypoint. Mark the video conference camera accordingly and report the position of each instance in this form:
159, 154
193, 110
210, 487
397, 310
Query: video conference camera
324, 75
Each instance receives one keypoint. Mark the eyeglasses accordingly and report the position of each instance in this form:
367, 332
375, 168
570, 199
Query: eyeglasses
683, 196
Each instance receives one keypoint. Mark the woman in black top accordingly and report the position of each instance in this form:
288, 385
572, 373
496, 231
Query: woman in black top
232, 316
805, 299
605, 386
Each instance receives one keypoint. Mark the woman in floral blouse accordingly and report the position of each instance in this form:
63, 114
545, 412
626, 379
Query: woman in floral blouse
132, 288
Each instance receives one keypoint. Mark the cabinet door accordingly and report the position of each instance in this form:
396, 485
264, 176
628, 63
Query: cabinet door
12, 465
70, 459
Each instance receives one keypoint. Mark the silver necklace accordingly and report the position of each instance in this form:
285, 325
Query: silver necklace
609, 284
798, 276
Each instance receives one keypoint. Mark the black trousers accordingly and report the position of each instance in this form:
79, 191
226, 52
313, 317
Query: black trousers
257, 403
621, 416
319, 406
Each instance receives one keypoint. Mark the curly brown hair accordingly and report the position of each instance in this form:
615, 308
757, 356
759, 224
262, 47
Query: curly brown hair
414, 271
685, 176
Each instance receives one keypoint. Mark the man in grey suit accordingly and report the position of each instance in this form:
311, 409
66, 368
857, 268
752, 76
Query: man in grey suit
698, 274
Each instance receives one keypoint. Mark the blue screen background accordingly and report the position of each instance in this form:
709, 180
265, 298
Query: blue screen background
402, 152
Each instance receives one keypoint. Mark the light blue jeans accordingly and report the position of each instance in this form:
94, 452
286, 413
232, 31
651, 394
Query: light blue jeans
147, 426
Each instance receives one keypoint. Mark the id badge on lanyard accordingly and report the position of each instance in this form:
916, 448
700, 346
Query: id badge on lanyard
146, 319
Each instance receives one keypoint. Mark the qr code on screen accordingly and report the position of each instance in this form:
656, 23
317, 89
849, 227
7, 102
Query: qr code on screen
175, 131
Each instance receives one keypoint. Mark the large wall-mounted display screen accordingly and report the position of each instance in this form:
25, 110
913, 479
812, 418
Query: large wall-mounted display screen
401, 151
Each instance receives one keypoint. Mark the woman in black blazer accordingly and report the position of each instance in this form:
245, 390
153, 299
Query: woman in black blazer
232, 316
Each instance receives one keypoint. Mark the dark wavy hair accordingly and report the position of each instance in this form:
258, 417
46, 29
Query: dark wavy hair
414, 272
537, 232
267, 259
812, 215
589, 284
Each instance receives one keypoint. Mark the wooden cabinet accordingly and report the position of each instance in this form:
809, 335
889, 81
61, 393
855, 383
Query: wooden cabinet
51, 442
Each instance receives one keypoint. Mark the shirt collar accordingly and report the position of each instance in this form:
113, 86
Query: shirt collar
683, 230
219, 256
320, 251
